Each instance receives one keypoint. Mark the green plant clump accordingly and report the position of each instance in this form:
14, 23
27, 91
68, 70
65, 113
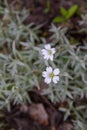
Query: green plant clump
66, 14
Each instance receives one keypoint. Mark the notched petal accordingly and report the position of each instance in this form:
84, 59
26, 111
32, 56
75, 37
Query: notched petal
51, 57
53, 50
56, 71
44, 74
47, 46
49, 69
55, 79
47, 80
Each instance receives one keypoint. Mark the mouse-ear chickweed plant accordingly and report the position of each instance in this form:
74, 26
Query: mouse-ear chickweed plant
24, 63
50, 74
48, 52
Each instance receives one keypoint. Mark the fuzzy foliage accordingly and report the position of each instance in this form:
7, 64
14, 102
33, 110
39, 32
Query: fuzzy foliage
21, 65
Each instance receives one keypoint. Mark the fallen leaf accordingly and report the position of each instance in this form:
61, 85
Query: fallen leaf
38, 113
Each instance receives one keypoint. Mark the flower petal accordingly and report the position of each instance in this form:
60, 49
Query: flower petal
47, 80
55, 79
47, 46
44, 52
44, 74
46, 57
51, 57
49, 70
56, 71
53, 50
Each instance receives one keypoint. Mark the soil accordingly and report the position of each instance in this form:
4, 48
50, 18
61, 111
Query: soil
41, 114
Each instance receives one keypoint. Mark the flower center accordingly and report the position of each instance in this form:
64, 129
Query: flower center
51, 75
50, 52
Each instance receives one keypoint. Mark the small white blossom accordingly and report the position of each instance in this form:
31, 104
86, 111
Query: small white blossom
48, 52
51, 75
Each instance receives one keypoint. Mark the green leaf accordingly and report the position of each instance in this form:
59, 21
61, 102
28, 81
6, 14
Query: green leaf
58, 19
63, 11
71, 11
47, 9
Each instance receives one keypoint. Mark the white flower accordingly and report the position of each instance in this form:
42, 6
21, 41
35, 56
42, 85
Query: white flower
48, 52
51, 75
